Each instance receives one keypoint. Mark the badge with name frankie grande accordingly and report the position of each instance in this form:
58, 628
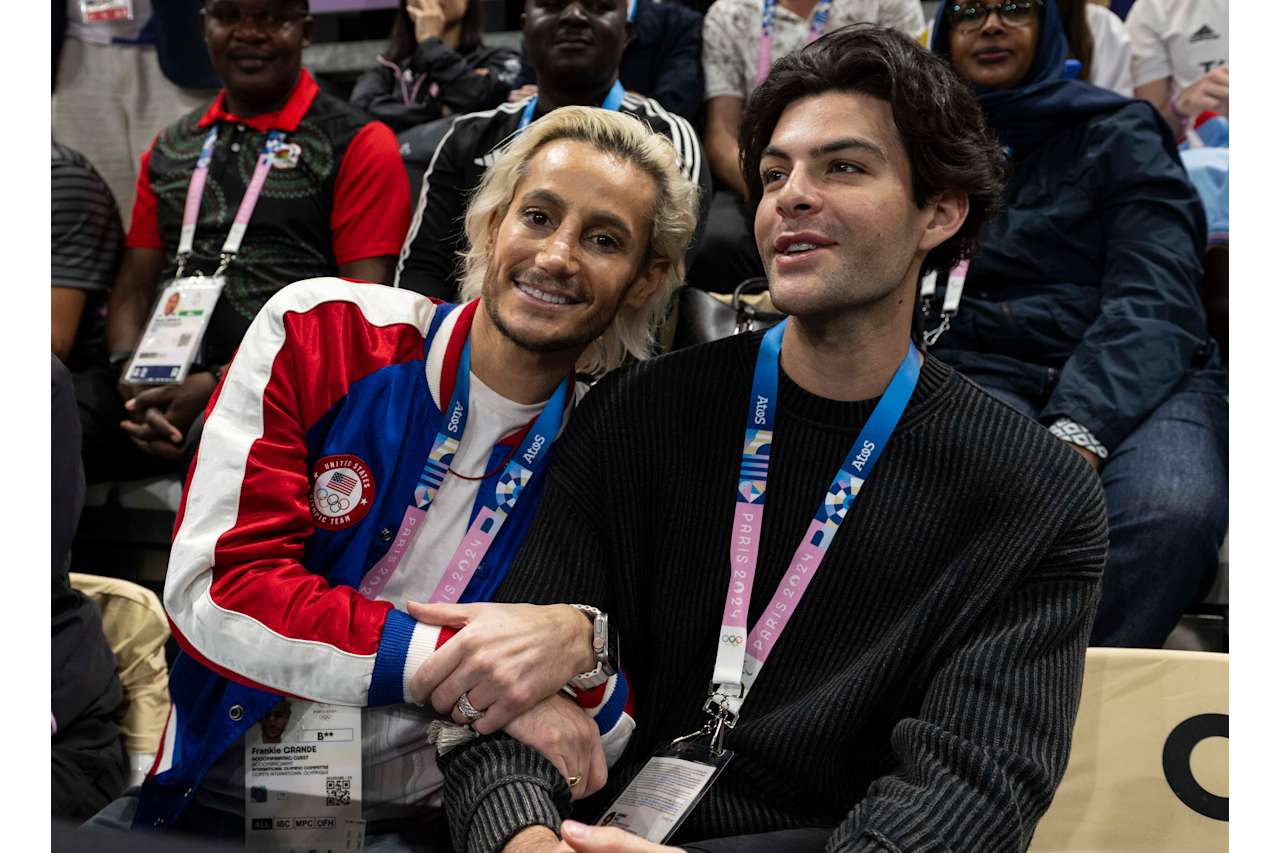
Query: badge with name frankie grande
174, 332
668, 788
97, 11
302, 780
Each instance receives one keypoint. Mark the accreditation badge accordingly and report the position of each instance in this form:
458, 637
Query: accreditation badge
97, 11
302, 780
174, 332
666, 790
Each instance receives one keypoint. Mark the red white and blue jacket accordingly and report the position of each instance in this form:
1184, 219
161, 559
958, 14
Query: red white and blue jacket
262, 583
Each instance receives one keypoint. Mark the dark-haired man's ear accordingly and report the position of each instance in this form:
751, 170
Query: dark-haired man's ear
308, 28
947, 212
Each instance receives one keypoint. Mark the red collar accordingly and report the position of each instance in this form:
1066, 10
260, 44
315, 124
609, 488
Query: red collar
300, 100
453, 352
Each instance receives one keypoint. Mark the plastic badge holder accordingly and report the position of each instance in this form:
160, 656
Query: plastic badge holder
174, 332
666, 790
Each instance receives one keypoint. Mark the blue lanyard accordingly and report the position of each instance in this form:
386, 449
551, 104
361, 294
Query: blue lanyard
525, 463
612, 101
739, 656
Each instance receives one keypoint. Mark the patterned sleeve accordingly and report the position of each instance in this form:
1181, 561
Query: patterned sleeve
722, 30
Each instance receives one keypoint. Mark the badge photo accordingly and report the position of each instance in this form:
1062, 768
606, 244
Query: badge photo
342, 491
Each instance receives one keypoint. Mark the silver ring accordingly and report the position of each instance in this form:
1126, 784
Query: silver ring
467, 709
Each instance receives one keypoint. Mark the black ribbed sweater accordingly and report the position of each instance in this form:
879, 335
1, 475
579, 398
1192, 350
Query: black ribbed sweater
923, 694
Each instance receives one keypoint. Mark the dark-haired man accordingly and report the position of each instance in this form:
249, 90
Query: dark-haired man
575, 47
910, 622
334, 200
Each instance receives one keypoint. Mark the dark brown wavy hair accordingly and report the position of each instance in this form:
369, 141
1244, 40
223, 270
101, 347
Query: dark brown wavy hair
946, 138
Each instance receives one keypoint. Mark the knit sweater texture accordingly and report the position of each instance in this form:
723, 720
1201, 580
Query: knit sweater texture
923, 694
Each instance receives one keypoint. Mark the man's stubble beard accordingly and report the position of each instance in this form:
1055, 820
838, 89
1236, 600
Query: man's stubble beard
550, 346
831, 300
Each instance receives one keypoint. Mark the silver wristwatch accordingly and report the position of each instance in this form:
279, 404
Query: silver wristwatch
603, 645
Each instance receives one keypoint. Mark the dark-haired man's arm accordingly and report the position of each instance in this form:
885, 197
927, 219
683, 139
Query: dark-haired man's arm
978, 765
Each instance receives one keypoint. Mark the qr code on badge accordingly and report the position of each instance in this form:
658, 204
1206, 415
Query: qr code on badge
337, 791
184, 339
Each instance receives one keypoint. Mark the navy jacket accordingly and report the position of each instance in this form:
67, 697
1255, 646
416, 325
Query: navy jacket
1085, 294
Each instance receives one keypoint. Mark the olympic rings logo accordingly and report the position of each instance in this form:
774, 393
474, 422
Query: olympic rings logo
335, 503
731, 639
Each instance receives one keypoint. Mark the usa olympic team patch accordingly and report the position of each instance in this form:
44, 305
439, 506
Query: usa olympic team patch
341, 491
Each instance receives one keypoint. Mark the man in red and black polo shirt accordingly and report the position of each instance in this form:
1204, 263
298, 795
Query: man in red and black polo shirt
336, 201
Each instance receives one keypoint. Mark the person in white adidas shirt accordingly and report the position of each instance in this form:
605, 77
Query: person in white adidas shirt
1180, 57
575, 49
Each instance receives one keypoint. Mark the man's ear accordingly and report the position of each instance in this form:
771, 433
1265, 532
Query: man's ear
950, 208
647, 283
492, 226
308, 27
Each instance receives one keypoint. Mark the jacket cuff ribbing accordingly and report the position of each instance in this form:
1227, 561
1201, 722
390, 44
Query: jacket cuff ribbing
404, 646
494, 788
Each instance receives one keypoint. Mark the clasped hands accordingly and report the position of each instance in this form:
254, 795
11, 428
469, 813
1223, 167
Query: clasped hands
160, 417
511, 661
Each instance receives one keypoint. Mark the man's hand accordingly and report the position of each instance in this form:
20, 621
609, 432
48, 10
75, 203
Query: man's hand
1089, 456
1210, 92
600, 839
159, 417
506, 658
580, 838
570, 740
427, 17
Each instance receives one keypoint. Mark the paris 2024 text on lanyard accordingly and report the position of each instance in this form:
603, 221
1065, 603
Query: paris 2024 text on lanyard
675, 779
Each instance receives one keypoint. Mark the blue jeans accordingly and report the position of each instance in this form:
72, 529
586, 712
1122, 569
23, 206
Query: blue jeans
1166, 489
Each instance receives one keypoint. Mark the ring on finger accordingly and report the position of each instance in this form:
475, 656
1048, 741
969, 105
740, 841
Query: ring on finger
574, 780
466, 709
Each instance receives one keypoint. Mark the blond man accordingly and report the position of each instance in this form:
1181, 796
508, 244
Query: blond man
363, 441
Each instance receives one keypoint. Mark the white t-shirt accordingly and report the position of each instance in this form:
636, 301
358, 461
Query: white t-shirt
731, 36
1112, 51
1182, 39
103, 32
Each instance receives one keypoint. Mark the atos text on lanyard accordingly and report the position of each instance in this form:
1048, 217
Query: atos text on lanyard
528, 459
739, 655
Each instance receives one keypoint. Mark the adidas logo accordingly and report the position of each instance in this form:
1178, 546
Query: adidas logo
1205, 33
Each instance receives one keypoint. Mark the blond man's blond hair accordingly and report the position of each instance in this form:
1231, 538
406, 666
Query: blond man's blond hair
675, 214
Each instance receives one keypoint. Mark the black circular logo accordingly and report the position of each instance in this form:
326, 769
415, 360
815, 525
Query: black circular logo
1177, 763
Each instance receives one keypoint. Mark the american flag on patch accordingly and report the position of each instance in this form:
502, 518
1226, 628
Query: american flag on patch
343, 483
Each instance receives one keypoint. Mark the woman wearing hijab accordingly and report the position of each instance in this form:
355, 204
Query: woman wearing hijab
1082, 308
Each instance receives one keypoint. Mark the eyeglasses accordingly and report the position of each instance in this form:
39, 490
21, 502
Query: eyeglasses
967, 17
231, 17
